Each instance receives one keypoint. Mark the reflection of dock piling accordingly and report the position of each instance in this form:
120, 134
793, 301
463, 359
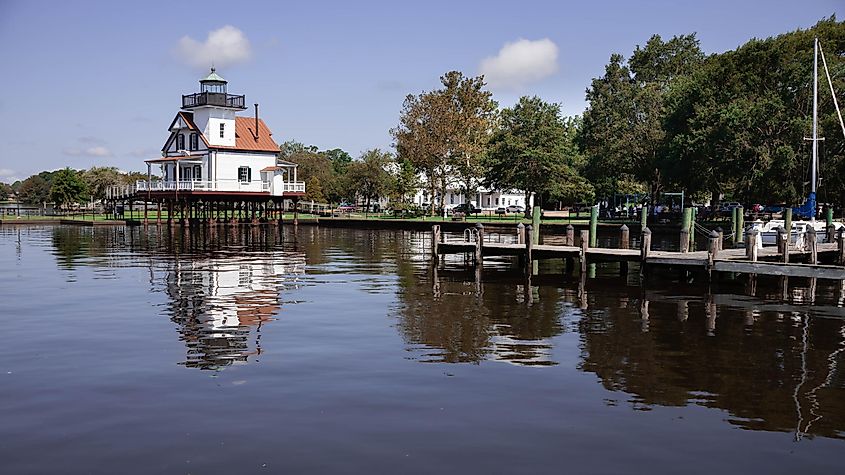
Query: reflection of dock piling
819, 260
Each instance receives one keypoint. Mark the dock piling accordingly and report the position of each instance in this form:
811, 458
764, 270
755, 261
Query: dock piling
812, 245
684, 242
585, 242
435, 240
479, 243
535, 223
645, 248
570, 235
713, 246
783, 244
740, 223
520, 233
840, 247
624, 235
528, 247
594, 220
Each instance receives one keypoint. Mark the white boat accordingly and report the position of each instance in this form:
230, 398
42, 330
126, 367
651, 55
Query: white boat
769, 230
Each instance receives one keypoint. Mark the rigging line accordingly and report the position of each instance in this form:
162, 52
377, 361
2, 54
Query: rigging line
832, 93
832, 365
798, 433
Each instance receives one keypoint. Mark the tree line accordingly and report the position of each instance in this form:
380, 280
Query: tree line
666, 118
66, 187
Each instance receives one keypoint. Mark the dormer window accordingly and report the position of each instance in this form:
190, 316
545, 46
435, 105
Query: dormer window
222, 130
194, 143
180, 142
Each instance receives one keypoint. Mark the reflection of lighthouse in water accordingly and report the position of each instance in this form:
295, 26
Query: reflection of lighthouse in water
221, 303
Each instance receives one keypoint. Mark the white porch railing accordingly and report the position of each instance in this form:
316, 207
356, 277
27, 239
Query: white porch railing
220, 185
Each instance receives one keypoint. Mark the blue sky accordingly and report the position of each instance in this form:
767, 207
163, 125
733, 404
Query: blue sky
97, 83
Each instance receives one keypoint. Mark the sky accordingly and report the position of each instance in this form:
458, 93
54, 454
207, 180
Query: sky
97, 83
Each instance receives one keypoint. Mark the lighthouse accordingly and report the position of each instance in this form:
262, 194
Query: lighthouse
214, 155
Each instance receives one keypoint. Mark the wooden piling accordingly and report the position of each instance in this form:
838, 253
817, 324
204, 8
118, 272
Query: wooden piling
684, 241
570, 235
528, 247
740, 223
644, 217
479, 243
810, 239
535, 225
520, 233
831, 233
624, 237
594, 220
645, 249
787, 223
692, 229
624, 243
751, 245
783, 244
840, 247
585, 242
435, 240
713, 247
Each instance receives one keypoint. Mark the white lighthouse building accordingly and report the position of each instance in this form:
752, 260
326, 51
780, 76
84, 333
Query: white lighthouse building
212, 151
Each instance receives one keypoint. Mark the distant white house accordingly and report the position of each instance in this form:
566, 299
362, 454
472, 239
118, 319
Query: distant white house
211, 150
485, 199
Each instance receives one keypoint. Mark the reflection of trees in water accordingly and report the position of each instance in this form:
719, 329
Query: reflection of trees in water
770, 370
456, 317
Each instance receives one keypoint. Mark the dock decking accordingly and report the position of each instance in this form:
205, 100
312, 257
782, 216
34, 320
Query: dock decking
748, 260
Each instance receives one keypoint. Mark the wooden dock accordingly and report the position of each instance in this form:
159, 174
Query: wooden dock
819, 260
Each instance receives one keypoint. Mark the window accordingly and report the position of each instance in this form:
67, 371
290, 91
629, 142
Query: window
180, 142
194, 144
197, 172
244, 174
222, 130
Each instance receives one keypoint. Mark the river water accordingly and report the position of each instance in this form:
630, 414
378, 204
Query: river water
321, 350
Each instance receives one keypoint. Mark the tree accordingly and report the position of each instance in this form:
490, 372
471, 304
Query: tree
533, 150
292, 147
317, 166
34, 191
623, 133
444, 133
67, 188
737, 125
339, 158
5, 191
99, 179
405, 181
368, 177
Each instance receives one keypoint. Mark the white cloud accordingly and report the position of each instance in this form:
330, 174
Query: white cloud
519, 63
6, 172
224, 47
97, 151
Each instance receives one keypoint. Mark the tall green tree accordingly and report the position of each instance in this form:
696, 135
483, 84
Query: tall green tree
533, 151
368, 177
623, 132
444, 133
67, 188
99, 179
34, 191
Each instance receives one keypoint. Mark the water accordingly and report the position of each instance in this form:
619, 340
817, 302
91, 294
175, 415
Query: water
342, 351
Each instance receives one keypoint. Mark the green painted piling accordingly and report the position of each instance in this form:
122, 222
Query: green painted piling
644, 217
594, 221
787, 222
829, 216
692, 229
685, 224
535, 225
740, 224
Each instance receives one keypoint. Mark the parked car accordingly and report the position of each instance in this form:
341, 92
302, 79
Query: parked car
346, 208
466, 208
728, 206
501, 210
515, 209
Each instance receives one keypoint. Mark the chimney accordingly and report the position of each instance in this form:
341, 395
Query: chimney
256, 122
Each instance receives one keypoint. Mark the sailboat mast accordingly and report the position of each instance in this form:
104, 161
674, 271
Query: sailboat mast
815, 163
